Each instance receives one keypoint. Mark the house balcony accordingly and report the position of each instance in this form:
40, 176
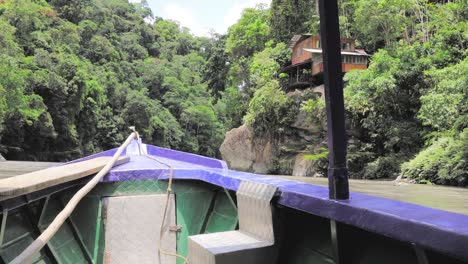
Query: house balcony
298, 76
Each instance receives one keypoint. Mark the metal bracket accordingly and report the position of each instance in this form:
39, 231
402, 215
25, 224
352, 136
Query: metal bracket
44, 207
104, 211
2, 230
230, 199
176, 228
420, 254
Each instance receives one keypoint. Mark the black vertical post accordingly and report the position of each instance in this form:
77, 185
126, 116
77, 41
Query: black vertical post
333, 80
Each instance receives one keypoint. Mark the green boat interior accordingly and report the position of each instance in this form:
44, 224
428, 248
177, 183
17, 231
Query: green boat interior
200, 208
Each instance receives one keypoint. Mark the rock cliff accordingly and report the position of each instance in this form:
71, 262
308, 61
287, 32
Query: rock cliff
285, 153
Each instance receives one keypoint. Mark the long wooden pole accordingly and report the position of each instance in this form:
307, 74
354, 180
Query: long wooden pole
27, 255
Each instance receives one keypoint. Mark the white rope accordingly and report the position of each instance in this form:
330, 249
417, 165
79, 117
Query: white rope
168, 192
166, 207
41, 241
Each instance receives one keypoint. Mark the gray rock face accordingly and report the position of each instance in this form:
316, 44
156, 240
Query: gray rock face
285, 155
302, 122
244, 152
2, 158
320, 90
236, 149
302, 167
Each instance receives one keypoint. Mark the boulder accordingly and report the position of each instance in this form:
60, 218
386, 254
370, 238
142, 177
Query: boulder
303, 167
320, 90
243, 152
284, 154
302, 121
237, 149
264, 155
2, 158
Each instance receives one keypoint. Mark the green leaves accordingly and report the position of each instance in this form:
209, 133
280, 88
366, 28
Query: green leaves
217, 66
266, 63
444, 103
75, 75
250, 33
412, 91
321, 155
382, 104
3, 107
443, 162
268, 109
155, 123
289, 18
380, 23
444, 110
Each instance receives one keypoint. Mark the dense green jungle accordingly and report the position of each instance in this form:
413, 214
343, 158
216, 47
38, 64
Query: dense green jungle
74, 74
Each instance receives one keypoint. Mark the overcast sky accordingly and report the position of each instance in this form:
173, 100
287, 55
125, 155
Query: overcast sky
202, 15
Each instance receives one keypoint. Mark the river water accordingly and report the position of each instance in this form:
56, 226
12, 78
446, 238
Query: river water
441, 197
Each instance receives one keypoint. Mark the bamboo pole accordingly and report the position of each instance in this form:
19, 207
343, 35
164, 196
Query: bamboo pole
44, 238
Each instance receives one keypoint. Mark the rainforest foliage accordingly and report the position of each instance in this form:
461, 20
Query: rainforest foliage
409, 109
75, 74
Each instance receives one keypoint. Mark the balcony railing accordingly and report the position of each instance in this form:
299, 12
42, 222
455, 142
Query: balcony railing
297, 81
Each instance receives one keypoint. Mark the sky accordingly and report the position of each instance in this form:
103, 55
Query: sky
201, 16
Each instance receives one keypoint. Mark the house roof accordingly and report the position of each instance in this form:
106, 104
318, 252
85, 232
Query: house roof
355, 53
296, 39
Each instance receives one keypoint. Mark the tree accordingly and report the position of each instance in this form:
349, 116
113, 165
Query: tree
380, 23
27, 16
231, 108
442, 162
266, 64
382, 104
268, 109
72, 10
289, 18
217, 66
144, 10
250, 33
203, 132
154, 122
75, 75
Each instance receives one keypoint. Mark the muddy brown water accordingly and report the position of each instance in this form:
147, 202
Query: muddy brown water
441, 197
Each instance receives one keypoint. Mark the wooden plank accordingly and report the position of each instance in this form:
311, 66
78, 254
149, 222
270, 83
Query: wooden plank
38, 180
13, 168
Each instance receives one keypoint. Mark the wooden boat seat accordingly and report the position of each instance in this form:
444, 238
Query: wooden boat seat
252, 243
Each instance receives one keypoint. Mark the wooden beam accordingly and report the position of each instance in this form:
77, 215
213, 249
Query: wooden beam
38, 180
14, 168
